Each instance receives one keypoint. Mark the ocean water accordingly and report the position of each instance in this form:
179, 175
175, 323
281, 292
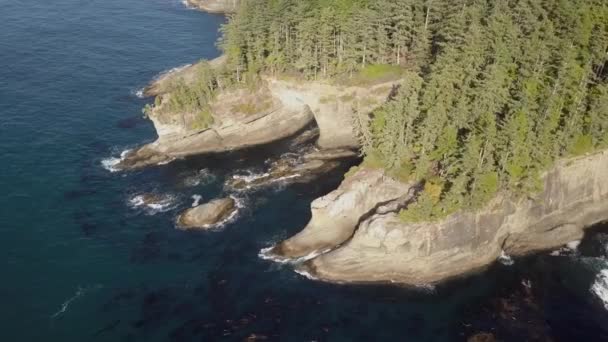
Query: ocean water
83, 260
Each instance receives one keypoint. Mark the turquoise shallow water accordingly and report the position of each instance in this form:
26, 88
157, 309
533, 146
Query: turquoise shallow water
80, 263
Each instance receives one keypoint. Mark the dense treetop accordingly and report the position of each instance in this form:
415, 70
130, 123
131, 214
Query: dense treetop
495, 90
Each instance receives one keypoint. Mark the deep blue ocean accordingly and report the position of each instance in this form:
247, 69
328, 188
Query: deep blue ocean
80, 262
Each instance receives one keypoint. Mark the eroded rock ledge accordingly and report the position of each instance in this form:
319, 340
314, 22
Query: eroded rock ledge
385, 249
336, 215
276, 109
214, 6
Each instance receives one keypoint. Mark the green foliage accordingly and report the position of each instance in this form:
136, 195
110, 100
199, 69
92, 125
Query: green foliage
493, 92
504, 90
582, 145
374, 74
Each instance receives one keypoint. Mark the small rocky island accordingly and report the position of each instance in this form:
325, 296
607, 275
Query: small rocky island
468, 155
207, 215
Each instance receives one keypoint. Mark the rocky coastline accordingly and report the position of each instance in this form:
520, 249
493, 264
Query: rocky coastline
355, 234
277, 109
214, 6
378, 246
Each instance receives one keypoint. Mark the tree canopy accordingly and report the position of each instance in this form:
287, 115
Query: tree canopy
495, 90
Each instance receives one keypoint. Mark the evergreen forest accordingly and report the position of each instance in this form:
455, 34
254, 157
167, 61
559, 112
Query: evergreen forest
493, 91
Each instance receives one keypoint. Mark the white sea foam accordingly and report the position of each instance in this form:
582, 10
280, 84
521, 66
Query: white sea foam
573, 245
600, 287
161, 204
197, 200
202, 177
305, 274
165, 162
250, 178
111, 162
429, 288
266, 254
570, 248
505, 259
138, 93
186, 4
80, 291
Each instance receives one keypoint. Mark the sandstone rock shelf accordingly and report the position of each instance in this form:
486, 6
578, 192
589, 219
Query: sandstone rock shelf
276, 109
382, 248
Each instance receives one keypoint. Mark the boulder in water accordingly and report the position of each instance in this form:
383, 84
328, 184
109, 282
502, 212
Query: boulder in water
206, 215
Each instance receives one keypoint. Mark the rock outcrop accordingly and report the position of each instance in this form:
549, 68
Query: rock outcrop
292, 168
336, 215
333, 106
206, 215
214, 6
385, 249
163, 82
244, 117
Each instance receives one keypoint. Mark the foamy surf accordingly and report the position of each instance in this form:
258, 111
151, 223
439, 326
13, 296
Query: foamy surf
110, 163
305, 274
197, 200
600, 287
505, 259
202, 177
80, 291
155, 205
266, 254
139, 93
253, 180
569, 249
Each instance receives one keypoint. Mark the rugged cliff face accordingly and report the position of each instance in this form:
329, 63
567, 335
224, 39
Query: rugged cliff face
214, 6
336, 215
385, 249
245, 117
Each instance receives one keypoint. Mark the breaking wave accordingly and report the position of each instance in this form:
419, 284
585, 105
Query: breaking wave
505, 259
305, 274
197, 200
600, 287
569, 249
139, 93
111, 162
266, 254
250, 180
80, 291
202, 177
153, 204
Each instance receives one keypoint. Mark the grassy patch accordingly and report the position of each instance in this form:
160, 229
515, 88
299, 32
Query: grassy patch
373, 74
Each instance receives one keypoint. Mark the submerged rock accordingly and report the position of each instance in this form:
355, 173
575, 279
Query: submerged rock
206, 215
482, 337
298, 169
386, 249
